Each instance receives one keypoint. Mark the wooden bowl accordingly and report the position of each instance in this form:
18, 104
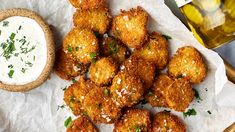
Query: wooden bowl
49, 43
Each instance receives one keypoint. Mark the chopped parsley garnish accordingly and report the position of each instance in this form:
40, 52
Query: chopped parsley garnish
167, 37
5, 23
77, 48
12, 36
8, 47
106, 92
70, 49
209, 112
29, 64
10, 66
93, 55
74, 80
23, 70
0, 32
190, 112
64, 88
196, 94
60, 107
71, 99
11, 72
96, 34
113, 47
137, 129
68, 122
20, 27
84, 113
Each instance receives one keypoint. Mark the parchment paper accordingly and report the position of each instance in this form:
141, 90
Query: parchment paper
36, 111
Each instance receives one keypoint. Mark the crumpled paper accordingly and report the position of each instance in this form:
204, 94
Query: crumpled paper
37, 110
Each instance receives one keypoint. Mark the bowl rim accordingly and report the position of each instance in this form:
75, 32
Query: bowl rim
4, 14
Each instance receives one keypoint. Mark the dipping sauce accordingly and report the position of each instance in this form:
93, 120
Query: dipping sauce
23, 50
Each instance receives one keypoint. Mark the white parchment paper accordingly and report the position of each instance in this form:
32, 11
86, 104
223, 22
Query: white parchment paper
36, 111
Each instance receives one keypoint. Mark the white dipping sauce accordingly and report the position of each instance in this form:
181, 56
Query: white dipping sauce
23, 50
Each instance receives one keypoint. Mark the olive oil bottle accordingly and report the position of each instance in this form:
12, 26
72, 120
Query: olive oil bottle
211, 21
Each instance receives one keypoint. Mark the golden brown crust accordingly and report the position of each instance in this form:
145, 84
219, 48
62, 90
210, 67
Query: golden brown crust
126, 90
130, 27
134, 120
188, 63
99, 106
142, 68
82, 44
4, 14
66, 67
155, 50
103, 71
81, 124
96, 19
87, 4
165, 122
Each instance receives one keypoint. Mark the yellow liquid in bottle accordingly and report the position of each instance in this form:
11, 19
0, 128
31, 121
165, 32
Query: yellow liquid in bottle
211, 21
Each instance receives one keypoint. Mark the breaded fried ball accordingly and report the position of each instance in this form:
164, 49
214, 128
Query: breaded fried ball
96, 19
167, 122
155, 50
130, 27
114, 48
126, 89
99, 106
82, 44
66, 67
134, 120
142, 68
103, 71
187, 63
81, 124
87, 4
74, 96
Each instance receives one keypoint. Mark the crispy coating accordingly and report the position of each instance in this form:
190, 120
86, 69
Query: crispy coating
142, 68
81, 124
99, 106
130, 27
176, 94
167, 122
82, 44
134, 120
126, 89
74, 95
114, 48
96, 19
155, 50
66, 67
87, 4
187, 63
103, 71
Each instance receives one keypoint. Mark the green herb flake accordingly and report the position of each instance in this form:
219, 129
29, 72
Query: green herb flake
196, 94
11, 72
190, 112
23, 70
12, 36
106, 92
70, 49
167, 37
60, 107
209, 112
84, 113
74, 80
10, 66
137, 129
113, 47
64, 88
0, 32
97, 34
68, 122
5, 23
29, 64
93, 55
20, 27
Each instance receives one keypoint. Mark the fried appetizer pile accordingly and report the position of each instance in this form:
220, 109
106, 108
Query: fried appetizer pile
82, 44
187, 63
134, 120
96, 19
103, 71
74, 95
87, 4
99, 106
176, 94
81, 124
130, 27
111, 47
155, 50
166, 122
126, 89
142, 68
66, 67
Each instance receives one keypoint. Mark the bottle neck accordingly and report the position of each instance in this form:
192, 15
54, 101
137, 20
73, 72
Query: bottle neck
181, 3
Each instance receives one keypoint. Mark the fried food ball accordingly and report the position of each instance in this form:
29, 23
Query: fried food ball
173, 93
134, 120
82, 44
81, 124
142, 68
74, 95
96, 19
66, 67
103, 71
114, 48
155, 50
187, 63
167, 122
126, 89
130, 27
87, 4
99, 106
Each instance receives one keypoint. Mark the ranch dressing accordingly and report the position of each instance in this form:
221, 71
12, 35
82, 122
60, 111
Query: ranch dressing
23, 50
